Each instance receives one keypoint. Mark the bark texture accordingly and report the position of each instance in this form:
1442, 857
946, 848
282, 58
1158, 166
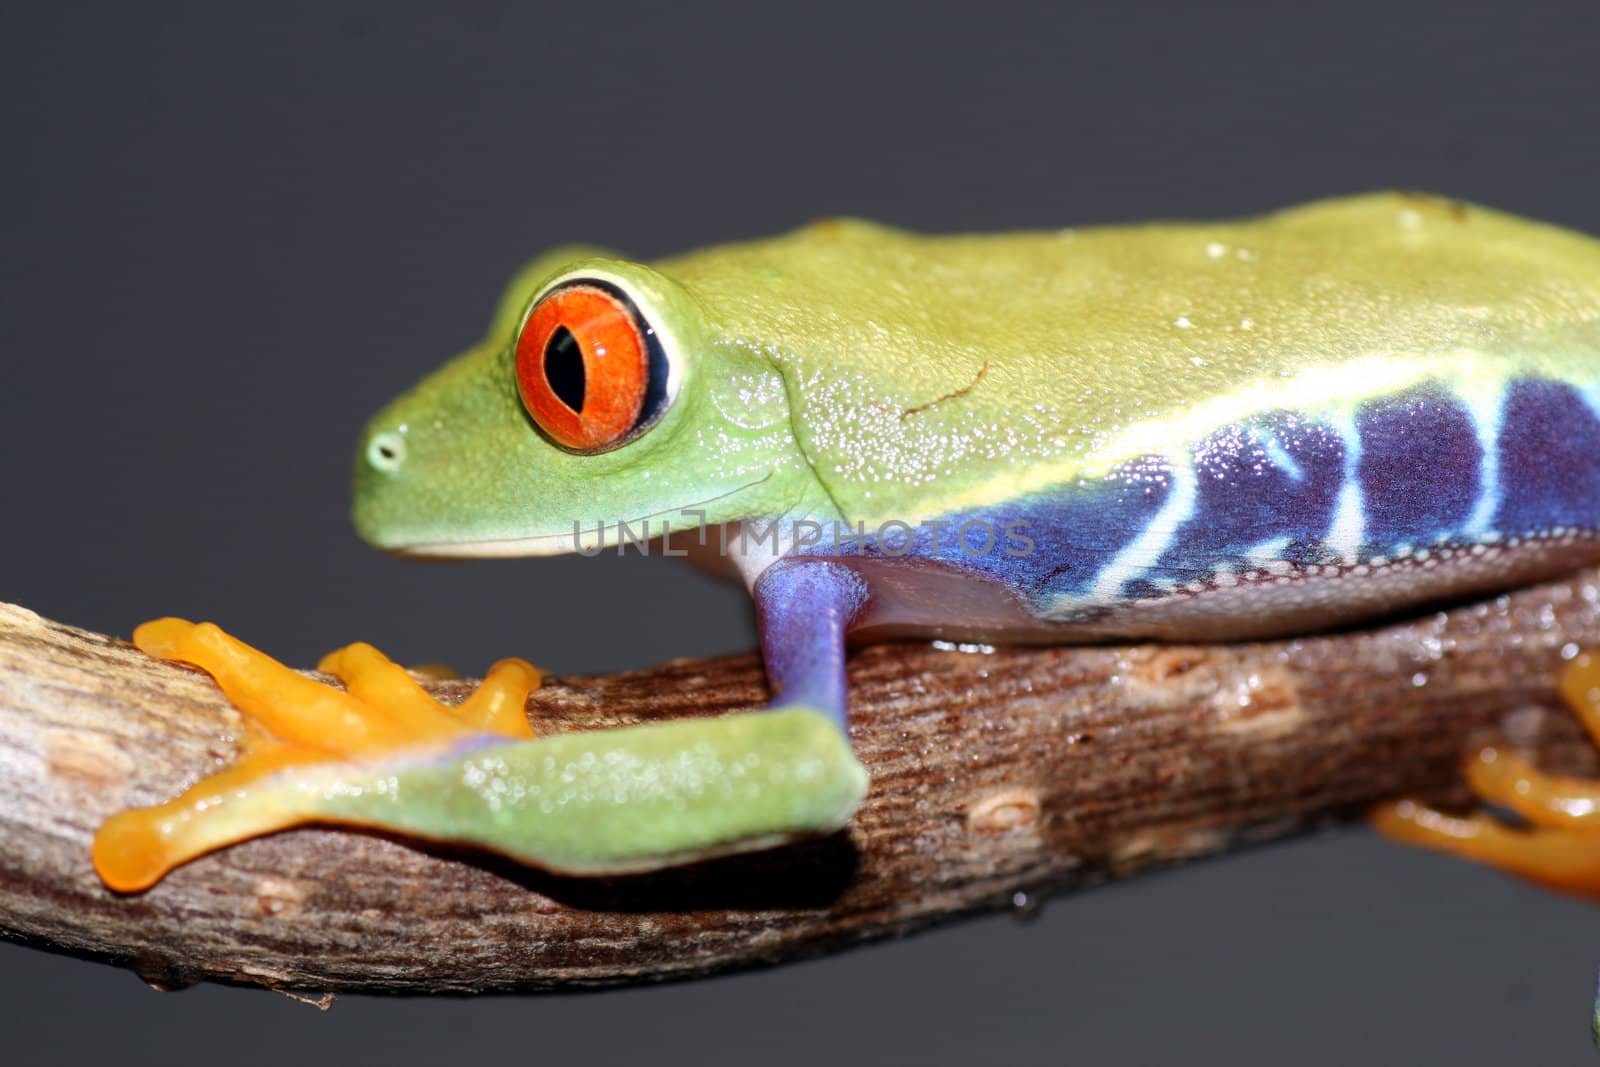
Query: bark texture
1017, 770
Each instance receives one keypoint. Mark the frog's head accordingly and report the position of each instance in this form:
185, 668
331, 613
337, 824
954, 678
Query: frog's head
602, 393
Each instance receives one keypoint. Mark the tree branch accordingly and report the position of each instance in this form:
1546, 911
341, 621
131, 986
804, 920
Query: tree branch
1024, 770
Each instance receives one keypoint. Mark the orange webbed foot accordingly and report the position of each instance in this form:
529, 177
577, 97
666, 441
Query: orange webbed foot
299, 731
1560, 847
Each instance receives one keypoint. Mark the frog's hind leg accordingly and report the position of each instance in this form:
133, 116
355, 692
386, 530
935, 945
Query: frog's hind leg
302, 738
1560, 848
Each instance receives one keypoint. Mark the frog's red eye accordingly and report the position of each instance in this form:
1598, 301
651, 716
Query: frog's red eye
589, 369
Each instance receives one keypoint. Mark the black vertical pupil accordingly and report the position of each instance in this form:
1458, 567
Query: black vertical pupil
563, 368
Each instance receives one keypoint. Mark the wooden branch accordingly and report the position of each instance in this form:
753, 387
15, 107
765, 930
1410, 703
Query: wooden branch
1020, 771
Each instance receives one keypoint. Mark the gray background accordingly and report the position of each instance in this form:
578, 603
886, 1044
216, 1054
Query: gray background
231, 232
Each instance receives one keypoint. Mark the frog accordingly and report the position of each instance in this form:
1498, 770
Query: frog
1173, 431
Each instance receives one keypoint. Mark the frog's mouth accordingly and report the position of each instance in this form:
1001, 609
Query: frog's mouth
583, 538
555, 544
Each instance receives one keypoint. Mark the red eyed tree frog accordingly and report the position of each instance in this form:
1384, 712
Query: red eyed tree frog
1192, 432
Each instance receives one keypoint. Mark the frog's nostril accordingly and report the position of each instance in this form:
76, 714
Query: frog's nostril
386, 452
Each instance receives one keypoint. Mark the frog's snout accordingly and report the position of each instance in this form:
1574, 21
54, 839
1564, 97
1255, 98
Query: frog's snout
380, 461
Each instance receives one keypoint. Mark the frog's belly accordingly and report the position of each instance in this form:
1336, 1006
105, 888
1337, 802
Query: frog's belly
1283, 522
912, 599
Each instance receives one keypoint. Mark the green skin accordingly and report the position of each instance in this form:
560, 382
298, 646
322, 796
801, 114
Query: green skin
609, 801
853, 372
837, 328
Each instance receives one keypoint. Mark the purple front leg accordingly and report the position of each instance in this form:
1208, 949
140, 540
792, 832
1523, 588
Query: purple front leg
804, 608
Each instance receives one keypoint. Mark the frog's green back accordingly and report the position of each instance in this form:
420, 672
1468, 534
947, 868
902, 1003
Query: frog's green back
1176, 412
934, 373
